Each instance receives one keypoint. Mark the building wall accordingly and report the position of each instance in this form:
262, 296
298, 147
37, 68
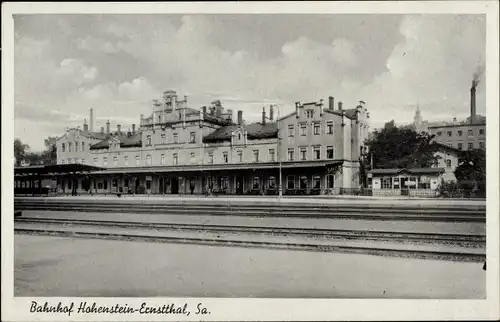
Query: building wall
80, 147
461, 137
449, 161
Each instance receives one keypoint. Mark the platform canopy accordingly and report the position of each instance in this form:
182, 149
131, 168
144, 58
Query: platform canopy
55, 169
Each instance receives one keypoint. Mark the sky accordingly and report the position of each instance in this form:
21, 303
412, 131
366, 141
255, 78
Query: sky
117, 64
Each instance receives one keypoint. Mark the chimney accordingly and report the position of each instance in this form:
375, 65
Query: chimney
119, 129
473, 104
271, 112
240, 117
321, 107
102, 129
297, 106
331, 103
107, 127
185, 99
204, 109
340, 106
263, 115
133, 128
85, 126
91, 120
174, 102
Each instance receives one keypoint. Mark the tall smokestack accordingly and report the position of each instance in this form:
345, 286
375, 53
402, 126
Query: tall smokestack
271, 112
91, 121
473, 102
240, 117
263, 115
331, 103
108, 129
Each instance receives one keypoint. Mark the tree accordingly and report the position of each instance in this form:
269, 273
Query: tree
471, 166
50, 153
19, 151
400, 147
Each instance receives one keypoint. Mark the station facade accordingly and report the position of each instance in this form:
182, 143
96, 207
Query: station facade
181, 150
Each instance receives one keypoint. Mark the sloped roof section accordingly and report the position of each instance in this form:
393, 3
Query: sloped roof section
126, 141
254, 131
396, 171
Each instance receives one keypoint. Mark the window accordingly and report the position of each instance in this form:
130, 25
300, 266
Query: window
329, 127
460, 146
256, 183
309, 114
424, 183
63, 147
210, 157
317, 128
63, 161
317, 153
470, 146
125, 183
240, 156
316, 182
225, 158
290, 154
149, 160
470, 133
137, 160
272, 155
239, 136
291, 130
105, 184
176, 138
148, 184
148, 140
303, 182
115, 161
396, 182
105, 161
224, 183
481, 131
192, 157
76, 146
192, 137
175, 158
163, 138
70, 145
83, 146
303, 129
163, 159
330, 152
439, 133
481, 145
255, 155
114, 183
95, 161
448, 163
272, 183
460, 133
386, 183
303, 154
449, 133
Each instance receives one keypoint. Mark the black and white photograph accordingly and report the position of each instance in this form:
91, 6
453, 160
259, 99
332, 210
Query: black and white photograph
247, 154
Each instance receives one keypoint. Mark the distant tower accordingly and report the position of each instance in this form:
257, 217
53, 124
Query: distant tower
417, 120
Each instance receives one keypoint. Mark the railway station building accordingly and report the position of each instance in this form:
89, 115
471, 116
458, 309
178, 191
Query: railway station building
177, 149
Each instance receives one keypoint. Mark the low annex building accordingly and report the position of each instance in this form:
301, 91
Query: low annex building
181, 150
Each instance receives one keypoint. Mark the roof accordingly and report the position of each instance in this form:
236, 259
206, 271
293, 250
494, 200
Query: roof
457, 125
396, 171
55, 168
126, 141
254, 131
446, 147
219, 167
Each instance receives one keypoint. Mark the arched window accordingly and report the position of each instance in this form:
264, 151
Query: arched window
69, 146
137, 160
148, 159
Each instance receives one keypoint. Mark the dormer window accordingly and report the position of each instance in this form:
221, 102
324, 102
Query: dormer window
239, 136
148, 140
63, 146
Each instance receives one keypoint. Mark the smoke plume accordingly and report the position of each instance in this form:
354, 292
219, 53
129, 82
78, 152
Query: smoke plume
477, 75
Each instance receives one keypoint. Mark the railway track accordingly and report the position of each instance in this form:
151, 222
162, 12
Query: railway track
73, 228
453, 214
